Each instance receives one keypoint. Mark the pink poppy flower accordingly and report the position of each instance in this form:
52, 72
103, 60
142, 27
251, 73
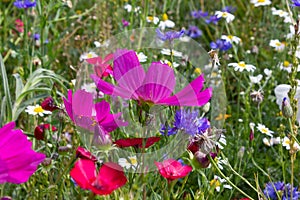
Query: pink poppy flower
109, 178
84, 113
85, 154
172, 169
101, 66
154, 87
17, 159
137, 142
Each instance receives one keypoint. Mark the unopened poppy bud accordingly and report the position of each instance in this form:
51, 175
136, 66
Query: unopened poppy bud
206, 107
39, 131
286, 108
48, 104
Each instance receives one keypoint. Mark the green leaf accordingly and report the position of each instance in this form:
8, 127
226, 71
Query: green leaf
6, 90
19, 85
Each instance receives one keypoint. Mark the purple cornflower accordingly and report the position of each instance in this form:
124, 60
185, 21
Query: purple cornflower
169, 35
125, 23
221, 44
189, 122
212, 19
199, 14
36, 36
193, 32
229, 9
283, 190
296, 3
24, 3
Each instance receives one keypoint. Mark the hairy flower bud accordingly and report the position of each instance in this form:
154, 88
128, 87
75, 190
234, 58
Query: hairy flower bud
286, 108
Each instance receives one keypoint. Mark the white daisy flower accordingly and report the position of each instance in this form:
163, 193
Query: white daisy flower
130, 162
263, 129
279, 46
256, 79
260, 2
288, 19
97, 44
286, 142
279, 12
272, 141
88, 55
221, 142
231, 38
155, 20
217, 182
287, 66
226, 15
174, 64
171, 52
166, 23
241, 66
37, 110
268, 72
142, 57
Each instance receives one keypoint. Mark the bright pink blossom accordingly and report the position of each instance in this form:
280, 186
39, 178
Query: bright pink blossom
109, 178
156, 86
17, 159
101, 66
172, 169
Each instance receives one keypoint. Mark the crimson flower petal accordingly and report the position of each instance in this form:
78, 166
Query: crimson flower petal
84, 173
172, 169
137, 142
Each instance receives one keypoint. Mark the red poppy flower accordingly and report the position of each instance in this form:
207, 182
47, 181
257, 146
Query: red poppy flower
48, 104
39, 131
172, 169
101, 66
85, 154
137, 142
109, 178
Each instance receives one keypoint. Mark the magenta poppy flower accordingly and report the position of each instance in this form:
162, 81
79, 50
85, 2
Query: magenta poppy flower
137, 142
101, 66
17, 159
84, 113
155, 87
109, 178
172, 169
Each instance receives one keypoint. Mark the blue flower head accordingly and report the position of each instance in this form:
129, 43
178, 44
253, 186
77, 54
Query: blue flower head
193, 32
283, 190
229, 9
25, 3
198, 14
221, 44
212, 19
296, 3
169, 35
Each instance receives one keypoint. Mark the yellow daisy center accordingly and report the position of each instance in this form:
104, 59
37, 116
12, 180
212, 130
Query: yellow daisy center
197, 71
89, 55
225, 14
165, 17
38, 109
230, 37
150, 18
133, 161
286, 63
242, 64
278, 44
261, 1
264, 130
215, 183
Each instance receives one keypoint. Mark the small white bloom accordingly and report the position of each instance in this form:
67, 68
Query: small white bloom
241, 66
128, 7
263, 129
217, 182
88, 55
165, 22
174, 64
270, 142
221, 142
97, 44
155, 20
231, 38
261, 2
142, 57
279, 46
279, 12
130, 162
268, 72
171, 52
226, 15
37, 110
256, 79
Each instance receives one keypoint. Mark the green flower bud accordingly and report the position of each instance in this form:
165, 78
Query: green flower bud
286, 108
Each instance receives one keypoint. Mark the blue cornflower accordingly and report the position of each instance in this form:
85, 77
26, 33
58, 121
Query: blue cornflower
188, 121
284, 191
212, 19
221, 44
193, 32
25, 3
36, 36
295, 3
199, 14
169, 35
229, 9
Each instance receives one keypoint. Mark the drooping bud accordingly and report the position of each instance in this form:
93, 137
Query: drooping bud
39, 131
48, 104
286, 108
257, 96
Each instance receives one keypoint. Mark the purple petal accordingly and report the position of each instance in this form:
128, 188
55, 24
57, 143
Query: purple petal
102, 110
82, 103
68, 104
158, 84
